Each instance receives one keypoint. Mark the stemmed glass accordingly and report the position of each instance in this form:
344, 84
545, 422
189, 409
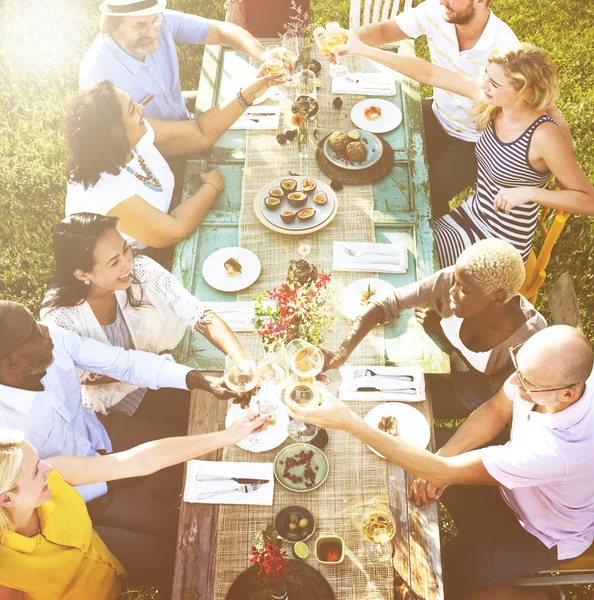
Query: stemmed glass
290, 54
275, 66
327, 39
240, 372
272, 378
378, 529
305, 362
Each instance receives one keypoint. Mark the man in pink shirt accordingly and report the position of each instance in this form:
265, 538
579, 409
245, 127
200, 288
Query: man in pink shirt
543, 511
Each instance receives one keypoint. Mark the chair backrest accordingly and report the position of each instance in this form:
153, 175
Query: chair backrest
536, 265
376, 11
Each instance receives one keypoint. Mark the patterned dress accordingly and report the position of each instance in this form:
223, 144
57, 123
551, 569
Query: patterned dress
500, 165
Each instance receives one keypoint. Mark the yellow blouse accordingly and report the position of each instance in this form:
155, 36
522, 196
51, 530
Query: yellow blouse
67, 560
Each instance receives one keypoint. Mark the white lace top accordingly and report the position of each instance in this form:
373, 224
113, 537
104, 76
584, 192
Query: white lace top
157, 326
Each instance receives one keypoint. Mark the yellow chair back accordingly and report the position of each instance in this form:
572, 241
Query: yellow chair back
536, 265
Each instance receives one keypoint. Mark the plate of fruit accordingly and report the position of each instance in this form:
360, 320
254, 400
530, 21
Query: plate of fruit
296, 204
354, 149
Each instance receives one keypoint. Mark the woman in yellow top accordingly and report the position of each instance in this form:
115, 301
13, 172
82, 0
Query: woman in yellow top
48, 549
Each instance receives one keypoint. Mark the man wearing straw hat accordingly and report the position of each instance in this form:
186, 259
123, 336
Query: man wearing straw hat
136, 51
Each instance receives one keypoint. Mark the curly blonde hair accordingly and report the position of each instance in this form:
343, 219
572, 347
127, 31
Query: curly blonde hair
529, 71
11, 457
494, 265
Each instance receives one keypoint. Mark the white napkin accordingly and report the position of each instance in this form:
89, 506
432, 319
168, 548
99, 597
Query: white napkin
204, 468
258, 117
395, 262
369, 84
239, 316
349, 390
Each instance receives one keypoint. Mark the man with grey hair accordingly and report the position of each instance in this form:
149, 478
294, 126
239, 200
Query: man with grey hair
520, 507
136, 51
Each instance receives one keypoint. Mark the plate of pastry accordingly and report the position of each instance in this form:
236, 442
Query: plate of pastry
355, 297
231, 269
375, 115
354, 149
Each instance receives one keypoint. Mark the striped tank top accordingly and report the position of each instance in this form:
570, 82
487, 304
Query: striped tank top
500, 165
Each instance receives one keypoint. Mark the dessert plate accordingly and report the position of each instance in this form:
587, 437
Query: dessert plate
390, 115
215, 274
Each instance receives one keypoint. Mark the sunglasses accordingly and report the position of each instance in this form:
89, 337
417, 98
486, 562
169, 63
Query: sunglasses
513, 352
37, 332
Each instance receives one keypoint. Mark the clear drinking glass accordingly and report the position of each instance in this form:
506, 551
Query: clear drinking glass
303, 391
336, 36
272, 376
378, 529
290, 54
305, 84
240, 372
305, 360
275, 66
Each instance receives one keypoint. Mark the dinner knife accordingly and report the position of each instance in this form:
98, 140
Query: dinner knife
387, 391
241, 480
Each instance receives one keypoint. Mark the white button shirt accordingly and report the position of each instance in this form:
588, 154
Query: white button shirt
54, 420
454, 112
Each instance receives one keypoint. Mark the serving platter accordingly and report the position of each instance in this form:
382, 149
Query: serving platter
271, 218
374, 147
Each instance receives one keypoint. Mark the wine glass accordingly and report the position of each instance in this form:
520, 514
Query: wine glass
303, 391
290, 54
305, 360
240, 372
272, 375
378, 529
275, 66
327, 39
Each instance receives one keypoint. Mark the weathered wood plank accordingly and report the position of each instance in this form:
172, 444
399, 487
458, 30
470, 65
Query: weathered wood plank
563, 301
198, 523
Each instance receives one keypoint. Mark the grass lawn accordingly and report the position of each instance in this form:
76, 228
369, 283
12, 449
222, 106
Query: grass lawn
41, 44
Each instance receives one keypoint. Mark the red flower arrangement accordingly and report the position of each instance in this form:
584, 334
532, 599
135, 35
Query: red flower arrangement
270, 560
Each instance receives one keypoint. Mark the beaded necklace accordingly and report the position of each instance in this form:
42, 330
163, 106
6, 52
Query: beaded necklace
148, 178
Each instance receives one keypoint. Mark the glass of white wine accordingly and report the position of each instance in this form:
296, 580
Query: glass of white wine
305, 360
290, 54
240, 372
303, 391
275, 66
336, 36
272, 376
378, 528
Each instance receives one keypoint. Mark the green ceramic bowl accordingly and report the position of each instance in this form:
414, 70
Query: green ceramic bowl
289, 477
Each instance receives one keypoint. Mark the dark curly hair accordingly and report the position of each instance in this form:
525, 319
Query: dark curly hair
75, 238
95, 135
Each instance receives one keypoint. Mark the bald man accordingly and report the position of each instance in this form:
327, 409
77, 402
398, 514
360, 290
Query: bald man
521, 507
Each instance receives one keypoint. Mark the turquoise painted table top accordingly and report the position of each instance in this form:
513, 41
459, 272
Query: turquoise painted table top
402, 213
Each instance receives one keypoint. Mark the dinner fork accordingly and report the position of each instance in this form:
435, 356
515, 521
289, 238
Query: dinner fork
370, 81
370, 373
356, 253
244, 489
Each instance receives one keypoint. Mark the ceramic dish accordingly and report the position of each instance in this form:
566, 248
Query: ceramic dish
215, 274
390, 117
413, 426
318, 463
369, 140
351, 296
329, 539
300, 534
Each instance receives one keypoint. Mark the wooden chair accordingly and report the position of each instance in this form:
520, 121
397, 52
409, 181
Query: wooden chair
536, 265
389, 11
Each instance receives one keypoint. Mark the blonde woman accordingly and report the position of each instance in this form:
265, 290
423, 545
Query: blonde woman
48, 548
476, 309
520, 147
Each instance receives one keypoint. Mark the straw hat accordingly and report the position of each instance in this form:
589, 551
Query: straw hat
137, 8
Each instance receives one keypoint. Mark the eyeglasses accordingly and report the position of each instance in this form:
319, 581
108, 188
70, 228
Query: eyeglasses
156, 22
513, 352
37, 332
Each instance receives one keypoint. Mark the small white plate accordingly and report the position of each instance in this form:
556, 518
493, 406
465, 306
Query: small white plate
350, 298
274, 435
216, 275
390, 118
413, 426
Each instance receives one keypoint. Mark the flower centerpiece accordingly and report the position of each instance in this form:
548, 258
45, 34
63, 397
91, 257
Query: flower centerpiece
299, 25
303, 308
271, 561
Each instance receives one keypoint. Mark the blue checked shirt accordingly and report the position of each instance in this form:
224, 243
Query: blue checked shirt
158, 74
55, 422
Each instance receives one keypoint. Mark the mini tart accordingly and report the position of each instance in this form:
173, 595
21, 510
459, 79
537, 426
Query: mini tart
288, 216
320, 198
297, 199
288, 185
276, 192
272, 203
308, 185
233, 267
306, 213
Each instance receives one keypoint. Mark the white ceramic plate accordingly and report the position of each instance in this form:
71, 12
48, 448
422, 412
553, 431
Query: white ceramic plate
350, 298
216, 276
374, 147
323, 211
390, 118
274, 435
413, 426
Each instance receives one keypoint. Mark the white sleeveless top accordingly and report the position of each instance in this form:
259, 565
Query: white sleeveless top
110, 190
451, 329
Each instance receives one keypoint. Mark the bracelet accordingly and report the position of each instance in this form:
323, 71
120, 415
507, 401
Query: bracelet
213, 185
241, 100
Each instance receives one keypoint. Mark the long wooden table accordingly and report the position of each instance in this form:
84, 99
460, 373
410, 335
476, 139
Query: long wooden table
402, 214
